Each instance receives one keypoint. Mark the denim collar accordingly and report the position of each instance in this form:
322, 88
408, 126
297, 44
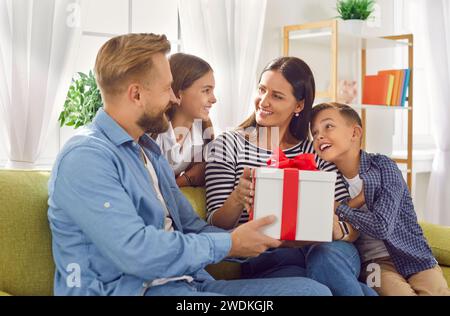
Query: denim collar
118, 136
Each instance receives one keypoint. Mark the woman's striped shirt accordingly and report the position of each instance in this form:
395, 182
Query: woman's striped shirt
230, 153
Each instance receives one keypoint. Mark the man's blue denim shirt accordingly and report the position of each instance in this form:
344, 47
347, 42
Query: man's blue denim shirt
107, 223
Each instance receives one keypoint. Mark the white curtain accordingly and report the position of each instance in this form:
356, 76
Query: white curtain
228, 35
436, 17
38, 39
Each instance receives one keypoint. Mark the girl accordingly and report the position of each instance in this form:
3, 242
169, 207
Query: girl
190, 128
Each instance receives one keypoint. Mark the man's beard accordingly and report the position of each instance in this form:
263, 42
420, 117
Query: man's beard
153, 124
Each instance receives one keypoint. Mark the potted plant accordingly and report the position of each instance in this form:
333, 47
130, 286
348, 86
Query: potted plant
82, 103
354, 13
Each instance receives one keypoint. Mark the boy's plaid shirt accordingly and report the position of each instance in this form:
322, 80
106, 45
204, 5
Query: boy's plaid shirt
391, 216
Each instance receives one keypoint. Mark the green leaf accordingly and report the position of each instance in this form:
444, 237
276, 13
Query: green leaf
354, 9
82, 101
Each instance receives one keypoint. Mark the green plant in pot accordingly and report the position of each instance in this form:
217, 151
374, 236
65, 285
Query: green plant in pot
82, 102
354, 13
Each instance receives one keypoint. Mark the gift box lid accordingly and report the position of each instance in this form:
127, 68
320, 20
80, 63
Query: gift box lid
304, 175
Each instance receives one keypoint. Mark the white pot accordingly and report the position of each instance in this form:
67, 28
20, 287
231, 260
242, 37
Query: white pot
352, 27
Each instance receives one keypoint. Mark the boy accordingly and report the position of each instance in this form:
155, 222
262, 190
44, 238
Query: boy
385, 216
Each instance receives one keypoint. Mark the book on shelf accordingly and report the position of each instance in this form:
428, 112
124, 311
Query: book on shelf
377, 89
388, 87
405, 86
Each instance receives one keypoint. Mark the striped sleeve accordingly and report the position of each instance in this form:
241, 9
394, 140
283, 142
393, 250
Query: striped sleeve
220, 174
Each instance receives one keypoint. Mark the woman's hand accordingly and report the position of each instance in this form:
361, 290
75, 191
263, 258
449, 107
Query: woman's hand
227, 216
244, 192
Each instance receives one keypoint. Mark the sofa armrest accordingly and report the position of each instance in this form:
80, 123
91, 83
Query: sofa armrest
4, 294
439, 240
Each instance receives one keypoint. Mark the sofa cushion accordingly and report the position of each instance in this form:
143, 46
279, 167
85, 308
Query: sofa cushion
26, 263
196, 196
438, 238
446, 271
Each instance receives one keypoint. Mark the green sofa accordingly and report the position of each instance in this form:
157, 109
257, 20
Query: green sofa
26, 264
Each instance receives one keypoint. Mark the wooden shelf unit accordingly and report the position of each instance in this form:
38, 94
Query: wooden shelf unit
329, 31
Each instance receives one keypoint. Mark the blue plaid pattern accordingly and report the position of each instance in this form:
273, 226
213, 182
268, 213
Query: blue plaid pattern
391, 216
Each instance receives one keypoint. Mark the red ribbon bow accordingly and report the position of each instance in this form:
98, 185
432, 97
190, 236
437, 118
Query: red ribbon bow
300, 162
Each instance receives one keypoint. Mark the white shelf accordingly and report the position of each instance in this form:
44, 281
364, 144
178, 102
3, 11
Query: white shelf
380, 107
322, 37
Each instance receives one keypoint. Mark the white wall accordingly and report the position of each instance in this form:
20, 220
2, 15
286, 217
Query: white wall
287, 12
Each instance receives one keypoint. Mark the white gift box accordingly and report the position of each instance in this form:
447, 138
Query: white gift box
315, 203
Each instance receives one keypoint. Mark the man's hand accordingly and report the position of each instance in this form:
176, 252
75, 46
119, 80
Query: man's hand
248, 241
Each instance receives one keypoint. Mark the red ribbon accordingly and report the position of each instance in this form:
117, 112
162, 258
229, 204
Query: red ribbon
290, 204
290, 188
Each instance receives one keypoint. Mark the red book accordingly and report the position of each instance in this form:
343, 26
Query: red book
376, 89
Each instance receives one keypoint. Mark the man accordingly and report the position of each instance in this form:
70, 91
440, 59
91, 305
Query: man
120, 225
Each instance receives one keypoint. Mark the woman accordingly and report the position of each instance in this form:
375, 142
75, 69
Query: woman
281, 117
184, 141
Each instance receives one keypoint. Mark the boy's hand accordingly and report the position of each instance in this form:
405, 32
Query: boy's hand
361, 198
336, 205
338, 234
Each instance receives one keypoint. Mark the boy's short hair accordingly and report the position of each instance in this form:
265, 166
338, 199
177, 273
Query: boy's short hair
127, 57
346, 111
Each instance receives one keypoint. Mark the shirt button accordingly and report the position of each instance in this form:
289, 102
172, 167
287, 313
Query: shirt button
107, 205
341, 215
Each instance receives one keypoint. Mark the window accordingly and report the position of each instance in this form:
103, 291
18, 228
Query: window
103, 19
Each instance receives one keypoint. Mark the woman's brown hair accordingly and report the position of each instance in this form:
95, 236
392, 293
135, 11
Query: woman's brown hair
186, 69
301, 78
